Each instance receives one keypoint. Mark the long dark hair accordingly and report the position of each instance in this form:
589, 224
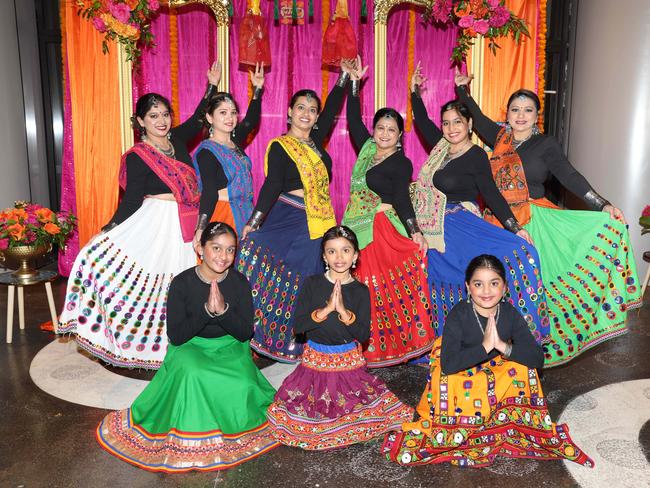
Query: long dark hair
485, 261
215, 229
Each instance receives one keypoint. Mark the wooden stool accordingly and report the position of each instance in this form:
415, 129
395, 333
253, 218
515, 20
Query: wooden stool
646, 258
12, 282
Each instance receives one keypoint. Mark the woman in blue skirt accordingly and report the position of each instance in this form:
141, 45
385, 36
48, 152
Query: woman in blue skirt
448, 185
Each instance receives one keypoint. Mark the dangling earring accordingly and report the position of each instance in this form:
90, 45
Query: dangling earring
211, 131
169, 136
469, 297
503, 298
399, 144
143, 132
508, 128
354, 264
288, 119
327, 266
315, 127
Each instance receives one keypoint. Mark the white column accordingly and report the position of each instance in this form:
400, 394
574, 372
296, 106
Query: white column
610, 112
14, 170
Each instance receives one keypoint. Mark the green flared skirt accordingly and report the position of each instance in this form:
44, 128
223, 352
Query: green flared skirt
203, 410
590, 276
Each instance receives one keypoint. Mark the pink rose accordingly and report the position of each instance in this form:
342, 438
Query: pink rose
99, 24
499, 17
153, 5
120, 11
646, 211
466, 21
30, 237
481, 27
4, 243
493, 3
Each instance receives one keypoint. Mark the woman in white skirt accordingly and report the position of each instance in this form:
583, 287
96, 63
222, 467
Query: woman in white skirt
116, 297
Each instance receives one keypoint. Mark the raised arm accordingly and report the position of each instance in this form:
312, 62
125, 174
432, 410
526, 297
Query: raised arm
331, 109
486, 127
429, 130
254, 112
357, 128
189, 129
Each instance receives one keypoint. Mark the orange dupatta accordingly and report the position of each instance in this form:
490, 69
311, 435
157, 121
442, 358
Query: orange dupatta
510, 179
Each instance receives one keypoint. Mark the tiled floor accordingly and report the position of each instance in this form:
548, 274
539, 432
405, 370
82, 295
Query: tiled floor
47, 442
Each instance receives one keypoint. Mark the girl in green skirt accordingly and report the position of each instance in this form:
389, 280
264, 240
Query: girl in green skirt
205, 408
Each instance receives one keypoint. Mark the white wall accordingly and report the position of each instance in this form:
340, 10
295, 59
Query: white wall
14, 173
610, 113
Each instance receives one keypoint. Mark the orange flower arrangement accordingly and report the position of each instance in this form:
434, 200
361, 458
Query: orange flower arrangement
123, 21
28, 224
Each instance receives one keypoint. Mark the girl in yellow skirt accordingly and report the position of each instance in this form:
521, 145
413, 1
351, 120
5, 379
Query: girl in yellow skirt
483, 398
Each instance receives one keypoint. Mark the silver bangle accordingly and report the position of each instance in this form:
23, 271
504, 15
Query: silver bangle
512, 225
343, 79
201, 223
255, 220
355, 87
595, 201
258, 92
215, 315
209, 91
508, 350
412, 226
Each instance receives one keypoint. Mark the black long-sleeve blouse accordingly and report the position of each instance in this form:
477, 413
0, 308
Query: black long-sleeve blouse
314, 294
540, 155
282, 175
462, 339
186, 314
213, 176
465, 177
389, 179
140, 178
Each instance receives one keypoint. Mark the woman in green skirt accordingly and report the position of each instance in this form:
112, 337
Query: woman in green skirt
588, 267
205, 408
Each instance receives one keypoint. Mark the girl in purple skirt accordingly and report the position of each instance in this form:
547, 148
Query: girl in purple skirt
331, 400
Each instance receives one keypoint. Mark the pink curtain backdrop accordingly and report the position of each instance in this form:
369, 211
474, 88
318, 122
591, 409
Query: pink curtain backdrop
296, 64
68, 191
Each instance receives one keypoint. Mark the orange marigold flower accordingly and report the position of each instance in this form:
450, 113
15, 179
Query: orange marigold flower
461, 12
44, 214
51, 228
132, 3
16, 231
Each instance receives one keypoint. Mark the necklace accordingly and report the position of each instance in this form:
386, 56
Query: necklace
496, 319
349, 279
309, 142
516, 143
169, 152
451, 156
376, 160
207, 282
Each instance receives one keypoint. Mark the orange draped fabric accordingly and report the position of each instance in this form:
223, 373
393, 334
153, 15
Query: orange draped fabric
95, 100
514, 66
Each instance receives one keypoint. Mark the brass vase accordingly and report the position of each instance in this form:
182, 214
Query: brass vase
24, 256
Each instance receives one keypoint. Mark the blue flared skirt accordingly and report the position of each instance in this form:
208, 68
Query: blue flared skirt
276, 259
467, 236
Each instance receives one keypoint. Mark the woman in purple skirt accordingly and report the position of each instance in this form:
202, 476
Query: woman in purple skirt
331, 400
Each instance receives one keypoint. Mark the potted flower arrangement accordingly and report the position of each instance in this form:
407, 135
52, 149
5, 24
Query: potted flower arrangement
28, 231
124, 21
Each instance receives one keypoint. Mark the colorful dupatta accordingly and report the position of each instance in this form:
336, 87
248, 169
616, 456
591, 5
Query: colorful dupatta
362, 207
315, 181
237, 167
180, 179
